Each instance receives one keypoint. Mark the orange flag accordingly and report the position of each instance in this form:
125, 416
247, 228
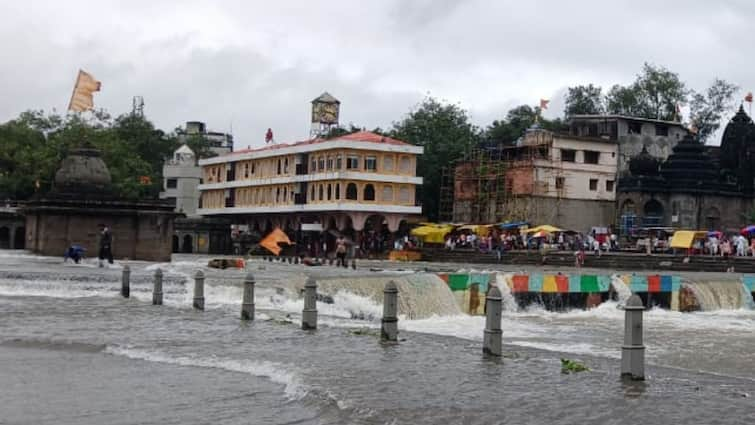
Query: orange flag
81, 99
544, 103
271, 241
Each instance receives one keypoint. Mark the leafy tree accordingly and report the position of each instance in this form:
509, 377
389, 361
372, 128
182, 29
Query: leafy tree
342, 131
584, 100
35, 143
706, 109
655, 94
444, 130
517, 121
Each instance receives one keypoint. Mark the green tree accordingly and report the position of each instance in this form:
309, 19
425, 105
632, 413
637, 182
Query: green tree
586, 100
35, 143
445, 132
706, 109
506, 131
655, 94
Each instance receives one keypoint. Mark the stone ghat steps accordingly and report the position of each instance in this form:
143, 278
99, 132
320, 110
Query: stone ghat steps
614, 261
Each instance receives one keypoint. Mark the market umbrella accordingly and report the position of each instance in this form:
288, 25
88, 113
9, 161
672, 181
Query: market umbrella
748, 230
540, 234
714, 233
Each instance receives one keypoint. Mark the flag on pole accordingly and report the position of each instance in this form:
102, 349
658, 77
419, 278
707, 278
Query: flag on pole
269, 135
748, 97
81, 99
544, 103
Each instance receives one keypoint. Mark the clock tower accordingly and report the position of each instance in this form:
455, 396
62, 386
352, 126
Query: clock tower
325, 110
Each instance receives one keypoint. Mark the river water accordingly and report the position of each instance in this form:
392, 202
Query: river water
72, 351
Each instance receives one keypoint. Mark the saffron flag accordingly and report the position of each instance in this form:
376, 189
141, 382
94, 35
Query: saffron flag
269, 135
271, 241
544, 103
748, 97
81, 99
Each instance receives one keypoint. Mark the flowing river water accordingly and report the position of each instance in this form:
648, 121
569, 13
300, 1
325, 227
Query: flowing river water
72, 351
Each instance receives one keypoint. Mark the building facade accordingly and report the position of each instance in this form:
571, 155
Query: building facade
181, 178
568, 181
220, 143
344, 183
632, 134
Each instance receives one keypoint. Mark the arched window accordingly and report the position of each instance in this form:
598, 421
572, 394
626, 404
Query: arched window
388, 193
285, 166
277, 195
279, 166
338, 191
312, 193
403, 195
405, 165
330, 191
388, 163
285, 194
369, 193
351, 192
321, 193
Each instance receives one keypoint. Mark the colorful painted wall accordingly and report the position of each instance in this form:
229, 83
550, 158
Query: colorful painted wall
561, 291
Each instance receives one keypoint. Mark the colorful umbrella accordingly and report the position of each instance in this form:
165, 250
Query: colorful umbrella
748, 230
714, 233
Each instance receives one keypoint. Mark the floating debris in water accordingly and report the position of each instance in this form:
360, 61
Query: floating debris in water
572, 366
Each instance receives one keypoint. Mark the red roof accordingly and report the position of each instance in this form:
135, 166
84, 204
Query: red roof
359, 136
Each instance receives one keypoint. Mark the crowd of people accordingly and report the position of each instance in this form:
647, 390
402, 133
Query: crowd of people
501, 241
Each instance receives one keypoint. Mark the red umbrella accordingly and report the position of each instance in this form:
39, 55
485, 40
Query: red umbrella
748, 230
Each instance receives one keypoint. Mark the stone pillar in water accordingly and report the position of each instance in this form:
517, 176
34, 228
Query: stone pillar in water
126, 281
633, 352
199, 290
157, 291
247, 303
491, 342
309, 314
389, 327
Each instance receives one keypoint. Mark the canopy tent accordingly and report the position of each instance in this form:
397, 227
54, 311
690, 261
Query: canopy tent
685, 238
539, 234
478, 229
432, 233
543, 228
271, 241
513, 225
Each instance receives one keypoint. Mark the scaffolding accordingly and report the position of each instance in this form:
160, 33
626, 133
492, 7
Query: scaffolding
485, 187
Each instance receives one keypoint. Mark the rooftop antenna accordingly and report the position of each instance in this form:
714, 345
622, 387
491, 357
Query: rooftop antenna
137, 106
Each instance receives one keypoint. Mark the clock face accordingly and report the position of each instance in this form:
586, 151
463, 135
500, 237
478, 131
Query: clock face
325, 113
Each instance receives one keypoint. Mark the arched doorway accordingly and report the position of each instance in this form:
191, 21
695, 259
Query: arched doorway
188, 246
19, 239
375, 235
653, 213
627, 217
176, 248
4, 238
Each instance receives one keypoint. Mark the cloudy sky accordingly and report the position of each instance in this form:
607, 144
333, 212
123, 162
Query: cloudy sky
257, 64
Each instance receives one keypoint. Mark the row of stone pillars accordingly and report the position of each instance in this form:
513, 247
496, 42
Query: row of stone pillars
632, 351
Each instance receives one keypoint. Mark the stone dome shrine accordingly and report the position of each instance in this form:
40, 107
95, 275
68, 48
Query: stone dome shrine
82, 200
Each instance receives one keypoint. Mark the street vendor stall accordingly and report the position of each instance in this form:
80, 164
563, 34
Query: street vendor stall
686, 239
432, 233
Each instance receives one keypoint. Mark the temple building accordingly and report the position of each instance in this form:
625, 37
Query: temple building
560, 179
696, 187
82, 201
352, 183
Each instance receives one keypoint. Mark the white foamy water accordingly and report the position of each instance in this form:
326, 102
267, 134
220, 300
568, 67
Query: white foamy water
276, 372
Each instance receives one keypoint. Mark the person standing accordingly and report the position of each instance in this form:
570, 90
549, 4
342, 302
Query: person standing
106, 245
341, 251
